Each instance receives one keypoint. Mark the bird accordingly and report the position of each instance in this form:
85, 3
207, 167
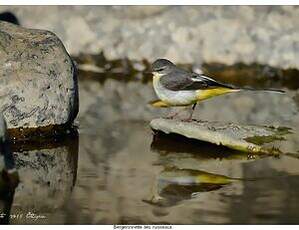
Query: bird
175, 86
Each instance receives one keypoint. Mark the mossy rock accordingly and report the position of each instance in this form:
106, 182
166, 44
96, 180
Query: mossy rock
247, 138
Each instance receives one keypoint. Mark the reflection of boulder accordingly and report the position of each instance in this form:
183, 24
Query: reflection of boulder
47, 175
8, 183
8, 176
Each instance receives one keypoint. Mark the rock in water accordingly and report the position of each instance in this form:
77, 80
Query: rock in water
246, 138
38, 82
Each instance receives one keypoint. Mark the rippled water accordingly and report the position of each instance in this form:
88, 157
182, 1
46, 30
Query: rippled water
115, 171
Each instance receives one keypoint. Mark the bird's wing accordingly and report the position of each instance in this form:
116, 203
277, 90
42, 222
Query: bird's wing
184, 80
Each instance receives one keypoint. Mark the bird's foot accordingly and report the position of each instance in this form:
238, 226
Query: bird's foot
171, 116
189, 119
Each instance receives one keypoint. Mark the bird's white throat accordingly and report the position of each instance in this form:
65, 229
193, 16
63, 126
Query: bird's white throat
175, 98
157, 75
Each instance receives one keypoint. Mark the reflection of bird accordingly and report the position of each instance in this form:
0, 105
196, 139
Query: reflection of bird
175, 184
177, 87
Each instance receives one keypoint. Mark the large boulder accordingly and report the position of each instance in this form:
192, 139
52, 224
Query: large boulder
38, 82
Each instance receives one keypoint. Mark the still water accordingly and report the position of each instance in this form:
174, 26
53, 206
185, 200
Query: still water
115, 171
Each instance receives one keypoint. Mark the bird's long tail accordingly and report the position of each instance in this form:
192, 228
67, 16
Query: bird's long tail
235, 89
264, 90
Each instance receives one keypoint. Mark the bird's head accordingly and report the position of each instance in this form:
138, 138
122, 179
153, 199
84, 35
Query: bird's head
162, 66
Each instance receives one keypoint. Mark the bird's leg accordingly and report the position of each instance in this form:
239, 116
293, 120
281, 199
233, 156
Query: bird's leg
172, 115
191, 113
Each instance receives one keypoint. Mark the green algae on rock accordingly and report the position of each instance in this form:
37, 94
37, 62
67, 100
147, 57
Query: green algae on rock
246, 138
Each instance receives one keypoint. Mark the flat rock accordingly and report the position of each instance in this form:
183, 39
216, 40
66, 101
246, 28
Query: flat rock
38, 82
246, 138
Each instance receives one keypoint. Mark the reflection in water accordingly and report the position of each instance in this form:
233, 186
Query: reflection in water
174, 185
118, 170
9, 180
47, 172
268, 198
173, 144
179, 151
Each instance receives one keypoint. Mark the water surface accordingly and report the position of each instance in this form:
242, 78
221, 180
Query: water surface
115, 171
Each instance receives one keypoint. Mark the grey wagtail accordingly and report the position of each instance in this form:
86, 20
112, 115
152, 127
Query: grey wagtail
178, 87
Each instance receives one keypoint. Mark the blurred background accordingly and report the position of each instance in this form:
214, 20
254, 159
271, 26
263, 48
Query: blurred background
109, 172
185, 34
